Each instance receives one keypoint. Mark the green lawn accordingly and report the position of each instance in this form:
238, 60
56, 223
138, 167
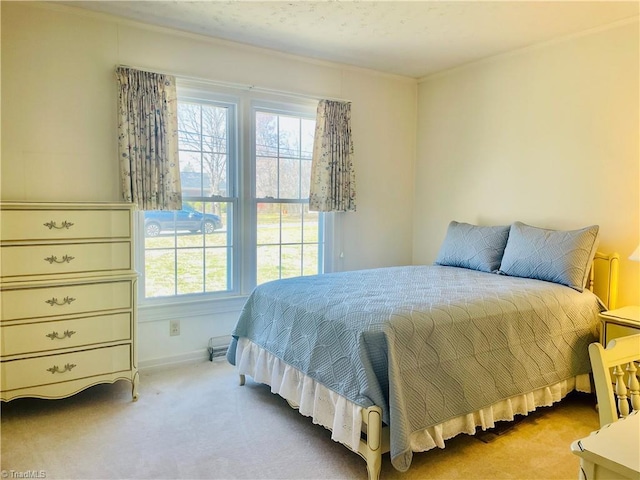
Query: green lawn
174, 263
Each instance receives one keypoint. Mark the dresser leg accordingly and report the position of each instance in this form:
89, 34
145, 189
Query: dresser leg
134, 386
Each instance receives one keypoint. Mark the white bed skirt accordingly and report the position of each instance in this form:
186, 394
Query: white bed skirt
344, 418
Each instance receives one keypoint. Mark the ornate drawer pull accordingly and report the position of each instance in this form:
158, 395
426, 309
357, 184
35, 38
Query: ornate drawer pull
64, 224
54, 335
65, 259
67, 368
65, 301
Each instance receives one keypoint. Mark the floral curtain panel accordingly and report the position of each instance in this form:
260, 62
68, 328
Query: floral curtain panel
333, 185
148, 139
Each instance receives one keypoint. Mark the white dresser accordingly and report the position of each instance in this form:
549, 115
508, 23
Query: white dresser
67, 298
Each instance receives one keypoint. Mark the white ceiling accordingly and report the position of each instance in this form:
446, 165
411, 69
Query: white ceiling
411, 38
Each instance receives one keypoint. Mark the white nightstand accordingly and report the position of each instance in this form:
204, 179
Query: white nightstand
611, 452
619, 323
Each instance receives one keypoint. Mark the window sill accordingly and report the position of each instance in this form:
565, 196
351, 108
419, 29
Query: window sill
160, 311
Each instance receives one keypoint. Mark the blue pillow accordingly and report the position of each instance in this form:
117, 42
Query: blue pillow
559, 256
473, 247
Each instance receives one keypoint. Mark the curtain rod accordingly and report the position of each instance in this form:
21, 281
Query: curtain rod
238, 86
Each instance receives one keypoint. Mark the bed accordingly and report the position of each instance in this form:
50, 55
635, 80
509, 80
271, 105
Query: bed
400, 359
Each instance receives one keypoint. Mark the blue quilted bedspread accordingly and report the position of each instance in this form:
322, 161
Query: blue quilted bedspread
425, 343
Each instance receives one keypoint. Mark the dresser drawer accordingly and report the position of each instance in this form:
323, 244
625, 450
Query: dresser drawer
26, 260
41, 302
63, 224
78, 332
64, 367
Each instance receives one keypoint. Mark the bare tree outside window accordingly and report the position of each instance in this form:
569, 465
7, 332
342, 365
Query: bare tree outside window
203, 146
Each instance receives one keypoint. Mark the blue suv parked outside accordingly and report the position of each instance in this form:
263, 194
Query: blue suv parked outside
157, 221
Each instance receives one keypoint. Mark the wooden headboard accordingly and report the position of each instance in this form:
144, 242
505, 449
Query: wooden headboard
603, 278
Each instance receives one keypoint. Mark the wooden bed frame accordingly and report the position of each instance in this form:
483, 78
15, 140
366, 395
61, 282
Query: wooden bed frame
375, 439
603, 278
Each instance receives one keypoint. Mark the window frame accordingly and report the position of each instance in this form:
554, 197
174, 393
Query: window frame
242, 182
299, 110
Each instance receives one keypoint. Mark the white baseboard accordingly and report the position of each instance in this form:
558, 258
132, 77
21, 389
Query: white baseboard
157, 364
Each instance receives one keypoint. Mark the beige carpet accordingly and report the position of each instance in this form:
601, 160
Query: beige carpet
195, 421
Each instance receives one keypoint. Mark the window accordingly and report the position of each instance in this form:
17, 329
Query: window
289, 240
191, 250
245, 217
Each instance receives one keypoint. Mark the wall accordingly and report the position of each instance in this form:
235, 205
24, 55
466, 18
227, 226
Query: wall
547, 135
59, 133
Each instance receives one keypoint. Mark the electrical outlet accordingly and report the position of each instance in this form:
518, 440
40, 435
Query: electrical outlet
174, 327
